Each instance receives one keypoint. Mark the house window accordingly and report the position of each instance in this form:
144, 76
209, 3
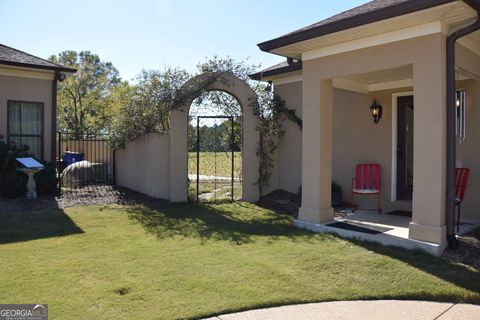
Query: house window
25, 125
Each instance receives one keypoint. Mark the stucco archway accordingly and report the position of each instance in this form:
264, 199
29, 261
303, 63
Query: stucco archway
230, 84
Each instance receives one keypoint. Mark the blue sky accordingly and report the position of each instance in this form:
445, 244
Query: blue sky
151, 34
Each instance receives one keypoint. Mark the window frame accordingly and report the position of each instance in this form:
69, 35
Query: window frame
42, 125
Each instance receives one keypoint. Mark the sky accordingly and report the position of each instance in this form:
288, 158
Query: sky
153, 34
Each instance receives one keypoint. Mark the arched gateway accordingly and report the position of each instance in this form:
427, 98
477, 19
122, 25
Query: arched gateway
234, 86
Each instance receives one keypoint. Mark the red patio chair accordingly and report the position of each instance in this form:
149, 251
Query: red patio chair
366, 182
461, 183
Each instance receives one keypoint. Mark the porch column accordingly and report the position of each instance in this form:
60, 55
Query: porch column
317, 151
428, 221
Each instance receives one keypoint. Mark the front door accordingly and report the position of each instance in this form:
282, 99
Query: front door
405, 148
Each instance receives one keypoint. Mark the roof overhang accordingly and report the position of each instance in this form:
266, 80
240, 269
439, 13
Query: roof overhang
266, 75
31, 73
36, 66
410, 14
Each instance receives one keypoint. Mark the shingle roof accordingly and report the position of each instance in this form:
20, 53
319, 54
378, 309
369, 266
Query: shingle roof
14, 57
280, 68
372, 11
363, 9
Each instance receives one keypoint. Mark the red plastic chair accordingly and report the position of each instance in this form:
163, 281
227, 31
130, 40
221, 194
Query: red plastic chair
461, 183
366, 182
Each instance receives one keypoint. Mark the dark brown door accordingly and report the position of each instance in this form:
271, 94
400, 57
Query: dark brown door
405, 148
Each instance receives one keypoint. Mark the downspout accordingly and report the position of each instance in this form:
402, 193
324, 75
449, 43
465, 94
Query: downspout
53, 135
451, 116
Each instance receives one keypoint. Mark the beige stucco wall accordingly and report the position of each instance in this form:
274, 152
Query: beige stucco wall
144, 166
27, 89
289, 158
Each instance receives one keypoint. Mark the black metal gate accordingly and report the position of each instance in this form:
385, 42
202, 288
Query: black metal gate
215, 161
84, 162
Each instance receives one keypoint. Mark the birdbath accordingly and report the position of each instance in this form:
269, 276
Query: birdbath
30, 168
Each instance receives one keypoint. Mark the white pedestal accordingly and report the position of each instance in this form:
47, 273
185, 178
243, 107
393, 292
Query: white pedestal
31, 185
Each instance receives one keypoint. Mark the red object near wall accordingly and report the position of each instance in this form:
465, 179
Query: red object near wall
367, 181
461, 183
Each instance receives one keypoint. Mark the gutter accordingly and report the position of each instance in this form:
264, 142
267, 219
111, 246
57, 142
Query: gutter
53, 137
451, 115
352, 22
59, 77
293, 66
37, 66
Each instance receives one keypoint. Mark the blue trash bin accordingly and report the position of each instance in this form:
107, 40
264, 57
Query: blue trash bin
70, 157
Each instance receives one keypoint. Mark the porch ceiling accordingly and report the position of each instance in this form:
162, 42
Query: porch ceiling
401, 77
376, 80
450, 15
382, 76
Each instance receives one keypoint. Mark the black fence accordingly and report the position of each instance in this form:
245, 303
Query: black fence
84, 162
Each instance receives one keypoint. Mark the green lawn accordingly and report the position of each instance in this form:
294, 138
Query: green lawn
183, 261
215, 164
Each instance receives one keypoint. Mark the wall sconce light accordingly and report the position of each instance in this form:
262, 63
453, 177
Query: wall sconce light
377, 111
268, 88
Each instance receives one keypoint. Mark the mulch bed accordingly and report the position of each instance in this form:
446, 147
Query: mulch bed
468, 251
281, 201
92, 195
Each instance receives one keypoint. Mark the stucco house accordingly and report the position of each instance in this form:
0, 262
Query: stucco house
28, 91
411, 57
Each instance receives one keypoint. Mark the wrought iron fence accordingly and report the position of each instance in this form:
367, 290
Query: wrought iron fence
214, 159
84, 162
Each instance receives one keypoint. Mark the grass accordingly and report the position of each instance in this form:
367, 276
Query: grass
162, 261
215, 164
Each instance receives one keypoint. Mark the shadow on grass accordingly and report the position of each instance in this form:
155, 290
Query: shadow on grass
32, 225
234, 222
460, 275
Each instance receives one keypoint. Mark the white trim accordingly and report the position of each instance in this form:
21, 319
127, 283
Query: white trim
391, 85
26, 73
288, 79
351, 85
395, 96
379, 39
361, 87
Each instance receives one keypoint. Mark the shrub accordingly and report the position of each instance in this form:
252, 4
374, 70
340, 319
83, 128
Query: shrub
14, 183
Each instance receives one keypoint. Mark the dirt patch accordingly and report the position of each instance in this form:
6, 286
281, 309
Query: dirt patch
281, 201
468, 251
86, 196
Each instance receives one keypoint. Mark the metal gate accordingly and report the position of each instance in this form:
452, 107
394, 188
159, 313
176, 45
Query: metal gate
84, 163
215, 161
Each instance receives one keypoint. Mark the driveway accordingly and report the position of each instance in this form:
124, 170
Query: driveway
360, 310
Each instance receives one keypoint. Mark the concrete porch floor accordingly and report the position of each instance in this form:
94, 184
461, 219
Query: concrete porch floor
396, 236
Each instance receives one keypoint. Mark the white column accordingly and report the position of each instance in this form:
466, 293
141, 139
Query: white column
429, 163
317, 151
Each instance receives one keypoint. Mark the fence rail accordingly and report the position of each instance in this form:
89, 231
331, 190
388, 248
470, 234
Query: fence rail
84, 162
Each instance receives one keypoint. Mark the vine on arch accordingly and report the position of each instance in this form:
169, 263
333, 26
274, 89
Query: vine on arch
144, 108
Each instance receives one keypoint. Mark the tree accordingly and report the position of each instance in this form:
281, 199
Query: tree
84, 100
145, 108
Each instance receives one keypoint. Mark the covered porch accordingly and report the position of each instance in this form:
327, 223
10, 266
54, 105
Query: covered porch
391, 229
339, 133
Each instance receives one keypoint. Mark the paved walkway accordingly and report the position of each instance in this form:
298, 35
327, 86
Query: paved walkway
360, 310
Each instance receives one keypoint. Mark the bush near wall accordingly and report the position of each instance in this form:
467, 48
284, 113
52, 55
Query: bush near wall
14, 183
